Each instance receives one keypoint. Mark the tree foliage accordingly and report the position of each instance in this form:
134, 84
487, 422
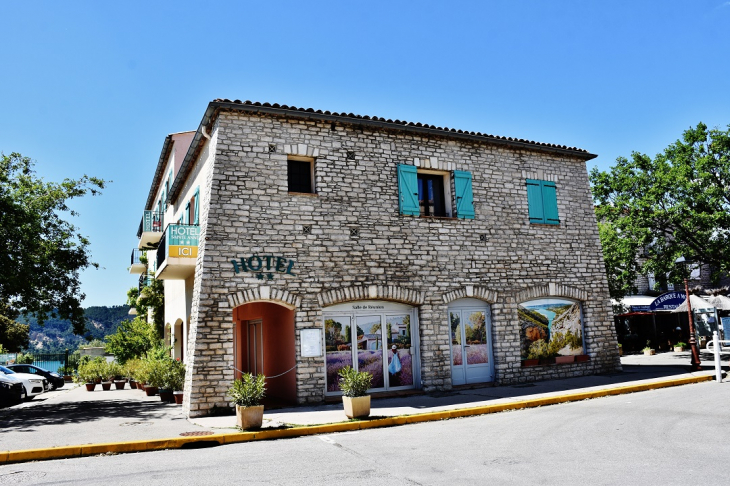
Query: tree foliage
133, 339
42, 252
652, 211
13, 335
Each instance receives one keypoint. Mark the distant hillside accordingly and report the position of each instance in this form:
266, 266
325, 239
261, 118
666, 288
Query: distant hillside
56, 335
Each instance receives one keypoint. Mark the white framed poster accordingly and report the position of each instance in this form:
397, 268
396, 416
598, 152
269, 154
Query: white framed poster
311, 343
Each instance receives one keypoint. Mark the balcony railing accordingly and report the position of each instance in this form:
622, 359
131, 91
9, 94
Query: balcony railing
144, 280
177, 251
136, 264
150, 228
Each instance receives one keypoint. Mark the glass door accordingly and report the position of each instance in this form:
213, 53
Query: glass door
400, 351
370, 348
471, 349
383, 343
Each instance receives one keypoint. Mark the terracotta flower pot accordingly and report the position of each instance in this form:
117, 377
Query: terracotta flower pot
166, 395
178, 396
356, 407
564, 359
106, 385
249, 417
132, 384
530, 362
151, 391
581, 358
140, 386
119, 384
90, 386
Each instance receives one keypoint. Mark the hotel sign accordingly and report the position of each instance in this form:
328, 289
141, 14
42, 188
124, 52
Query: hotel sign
264, 266
182, 241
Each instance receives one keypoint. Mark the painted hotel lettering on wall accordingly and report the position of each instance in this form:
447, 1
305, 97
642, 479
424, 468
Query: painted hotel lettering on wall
264, 266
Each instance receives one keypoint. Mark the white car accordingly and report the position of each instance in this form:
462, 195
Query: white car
32, 384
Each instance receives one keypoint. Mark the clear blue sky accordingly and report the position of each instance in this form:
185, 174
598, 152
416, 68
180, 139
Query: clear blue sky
94, 87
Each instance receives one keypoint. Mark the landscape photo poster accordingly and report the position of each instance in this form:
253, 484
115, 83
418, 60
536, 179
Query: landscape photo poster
550, 327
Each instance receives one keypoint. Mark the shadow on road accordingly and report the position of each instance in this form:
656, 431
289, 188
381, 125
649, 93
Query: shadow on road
22, 419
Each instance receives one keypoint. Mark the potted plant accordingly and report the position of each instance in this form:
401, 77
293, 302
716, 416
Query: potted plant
87, 374
648, 351
114, 373
246, 394
176, 380
679, 347
130, 370
155, 376
564, 359
354, 385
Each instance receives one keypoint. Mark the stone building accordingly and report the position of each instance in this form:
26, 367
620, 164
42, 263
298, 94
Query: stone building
294, 242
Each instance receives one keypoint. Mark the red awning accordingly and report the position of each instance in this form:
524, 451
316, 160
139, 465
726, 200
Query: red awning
631, 314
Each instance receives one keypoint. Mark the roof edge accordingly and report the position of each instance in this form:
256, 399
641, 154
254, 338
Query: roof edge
368, 121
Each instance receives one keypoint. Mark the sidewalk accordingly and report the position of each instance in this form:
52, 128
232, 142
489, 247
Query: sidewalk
72, 422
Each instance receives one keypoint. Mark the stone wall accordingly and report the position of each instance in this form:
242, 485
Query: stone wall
498, 256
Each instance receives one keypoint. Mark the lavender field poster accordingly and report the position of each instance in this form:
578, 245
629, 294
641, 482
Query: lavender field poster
338, 348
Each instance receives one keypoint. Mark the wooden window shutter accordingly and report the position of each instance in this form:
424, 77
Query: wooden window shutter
196, 207
464, 195
534, 201
408, 190
550, 202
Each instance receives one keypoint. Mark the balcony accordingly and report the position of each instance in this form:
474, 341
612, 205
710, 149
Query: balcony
177, 252
137, 266
144, 280
150, 229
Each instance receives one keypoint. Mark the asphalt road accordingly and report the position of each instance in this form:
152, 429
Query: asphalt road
668, 436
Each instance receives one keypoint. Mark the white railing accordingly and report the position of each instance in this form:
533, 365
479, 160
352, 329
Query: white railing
715, 347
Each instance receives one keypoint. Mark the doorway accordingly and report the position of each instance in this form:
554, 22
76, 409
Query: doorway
264, 343
471, 342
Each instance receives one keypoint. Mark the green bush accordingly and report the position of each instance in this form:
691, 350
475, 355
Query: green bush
174, 375
354, 383
91, 370
24, 358
248, 391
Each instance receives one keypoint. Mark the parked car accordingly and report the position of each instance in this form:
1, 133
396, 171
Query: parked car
54, 379
11, 389
32, 384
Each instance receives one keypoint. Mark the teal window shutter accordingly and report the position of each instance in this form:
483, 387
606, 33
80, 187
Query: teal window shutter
186, 214
534, 201
542, 202
550, 202
196, 208
464, 195
408, 190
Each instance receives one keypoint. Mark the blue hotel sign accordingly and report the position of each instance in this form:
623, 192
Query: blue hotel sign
668, 301
264, 266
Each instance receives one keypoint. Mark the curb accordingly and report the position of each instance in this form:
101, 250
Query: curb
63, 452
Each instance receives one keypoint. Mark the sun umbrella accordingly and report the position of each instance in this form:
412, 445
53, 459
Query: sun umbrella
720, 302
698, 305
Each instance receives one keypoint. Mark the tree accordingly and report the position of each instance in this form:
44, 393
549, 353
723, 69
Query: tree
132, 340
150, 298
42, 253
651, 212
14, 336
